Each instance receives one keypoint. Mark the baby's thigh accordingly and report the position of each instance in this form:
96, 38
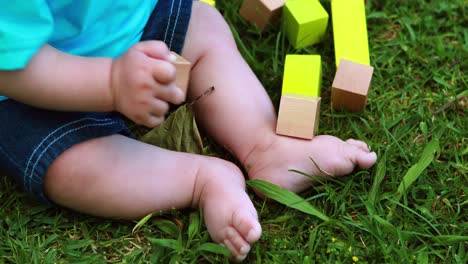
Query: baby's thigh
31, 139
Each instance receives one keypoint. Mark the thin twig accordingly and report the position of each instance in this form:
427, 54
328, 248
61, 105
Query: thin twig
447, 105
320, 169
205, 93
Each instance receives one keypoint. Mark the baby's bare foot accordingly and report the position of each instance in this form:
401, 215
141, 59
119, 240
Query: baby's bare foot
334, 156
230, 216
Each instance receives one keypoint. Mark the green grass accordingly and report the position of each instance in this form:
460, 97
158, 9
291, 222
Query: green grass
389, 214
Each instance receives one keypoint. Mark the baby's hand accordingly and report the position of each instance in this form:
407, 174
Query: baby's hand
142, 83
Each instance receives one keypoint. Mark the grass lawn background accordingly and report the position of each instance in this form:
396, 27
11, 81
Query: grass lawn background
419, 51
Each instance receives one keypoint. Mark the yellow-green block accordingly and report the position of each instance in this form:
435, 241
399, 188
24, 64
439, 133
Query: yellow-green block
350, 31
210, 2
305, 22
302, 75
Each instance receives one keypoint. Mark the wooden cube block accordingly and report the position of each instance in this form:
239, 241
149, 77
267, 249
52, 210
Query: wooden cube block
183, 68
350, 31
261, 12
298, 116
300, 102
305, 22
302, 75
350, 86
210, 2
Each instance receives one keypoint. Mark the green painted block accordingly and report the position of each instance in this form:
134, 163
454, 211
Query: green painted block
350, 31
210, 2
302, 75
305, 22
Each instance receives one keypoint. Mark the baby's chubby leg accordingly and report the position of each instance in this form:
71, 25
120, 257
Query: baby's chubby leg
240, 115
119, 177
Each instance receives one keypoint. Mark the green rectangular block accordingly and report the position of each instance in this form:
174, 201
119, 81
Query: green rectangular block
350, 31
305, 22
210, 2
302, 75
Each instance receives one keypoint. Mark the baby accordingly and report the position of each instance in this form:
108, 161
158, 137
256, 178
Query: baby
69, 69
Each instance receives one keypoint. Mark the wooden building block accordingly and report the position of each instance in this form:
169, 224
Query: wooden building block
300, 98
305, 22
210, 2
261, 12
350, 86
302, 75
350, 31
298, 116
183, 68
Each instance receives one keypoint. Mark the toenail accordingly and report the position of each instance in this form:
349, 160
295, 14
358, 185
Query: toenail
244, 250
252, 235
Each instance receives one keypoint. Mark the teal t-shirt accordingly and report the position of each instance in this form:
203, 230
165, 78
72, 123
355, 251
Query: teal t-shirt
93, 28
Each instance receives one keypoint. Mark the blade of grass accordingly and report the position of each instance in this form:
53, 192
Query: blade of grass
415, 171
450, 239
379, 176
286, 197
141, 222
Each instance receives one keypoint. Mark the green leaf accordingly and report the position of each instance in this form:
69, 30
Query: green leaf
286, 197
167, 243
141, 222
194, 225
179, 132
214, 248
415, 171
168, 227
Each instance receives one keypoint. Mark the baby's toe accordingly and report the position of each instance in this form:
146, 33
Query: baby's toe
237, 241
359, 144
366, 160
235, 250
246, 223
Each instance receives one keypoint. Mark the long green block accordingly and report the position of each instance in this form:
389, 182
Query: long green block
305, 22
350, 31
210, 2
302, 75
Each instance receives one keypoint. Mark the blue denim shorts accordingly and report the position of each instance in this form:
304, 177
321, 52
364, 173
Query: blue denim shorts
31, 138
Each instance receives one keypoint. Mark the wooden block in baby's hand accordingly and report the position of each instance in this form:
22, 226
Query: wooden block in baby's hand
183, 68
300, 100
350, 86
305, 22
261, 12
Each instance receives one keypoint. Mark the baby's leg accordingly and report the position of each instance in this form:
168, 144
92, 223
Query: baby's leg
240, 115
120, 177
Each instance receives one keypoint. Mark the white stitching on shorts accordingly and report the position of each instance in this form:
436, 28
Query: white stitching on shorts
55, 131
55, 140
175, 25
168, 21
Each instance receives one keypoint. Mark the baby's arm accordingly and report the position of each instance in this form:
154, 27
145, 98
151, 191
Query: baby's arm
138, 84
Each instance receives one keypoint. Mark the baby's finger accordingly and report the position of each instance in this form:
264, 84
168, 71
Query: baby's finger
158, 107
153, 121
163, 71
154, 49
171, 93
